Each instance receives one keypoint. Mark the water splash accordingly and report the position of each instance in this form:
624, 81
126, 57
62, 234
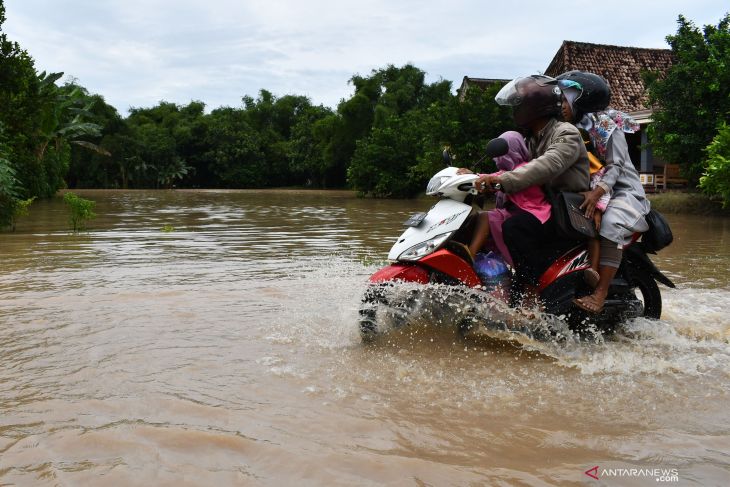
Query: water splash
680, 343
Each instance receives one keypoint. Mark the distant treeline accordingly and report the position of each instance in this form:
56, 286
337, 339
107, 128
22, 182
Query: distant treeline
385, 140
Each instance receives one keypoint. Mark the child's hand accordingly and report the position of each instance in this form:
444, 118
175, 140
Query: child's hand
597, 216
463, 170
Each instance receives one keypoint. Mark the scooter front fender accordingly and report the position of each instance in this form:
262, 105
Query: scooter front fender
449, 263
401, 272
442, 260
637, 256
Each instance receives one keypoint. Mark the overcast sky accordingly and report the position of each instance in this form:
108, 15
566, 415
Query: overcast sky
138, 52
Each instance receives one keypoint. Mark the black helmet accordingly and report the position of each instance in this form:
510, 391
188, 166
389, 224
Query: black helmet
531, 98
594, 94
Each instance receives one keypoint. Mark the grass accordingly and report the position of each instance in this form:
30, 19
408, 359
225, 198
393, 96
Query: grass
686, 202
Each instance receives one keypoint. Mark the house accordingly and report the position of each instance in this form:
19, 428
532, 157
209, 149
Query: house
621, 67
480, 83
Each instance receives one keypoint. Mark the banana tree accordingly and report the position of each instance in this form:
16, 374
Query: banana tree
65, 116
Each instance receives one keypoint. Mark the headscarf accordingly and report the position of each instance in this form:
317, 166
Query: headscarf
517, 153
601, 125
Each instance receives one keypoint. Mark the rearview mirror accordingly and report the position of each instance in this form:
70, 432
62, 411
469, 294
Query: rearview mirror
497, 147
447, 157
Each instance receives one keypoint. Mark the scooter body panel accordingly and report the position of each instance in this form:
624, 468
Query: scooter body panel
443, 217
574, 260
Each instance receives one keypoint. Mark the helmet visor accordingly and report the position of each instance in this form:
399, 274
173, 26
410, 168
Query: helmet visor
508, 95
512, 93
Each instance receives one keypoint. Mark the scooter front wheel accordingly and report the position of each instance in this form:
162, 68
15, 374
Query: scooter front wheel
374, 297
384, 307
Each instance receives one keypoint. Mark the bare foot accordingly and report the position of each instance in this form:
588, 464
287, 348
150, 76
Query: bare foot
591, 304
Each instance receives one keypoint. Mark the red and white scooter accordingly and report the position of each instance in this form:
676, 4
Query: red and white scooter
433, 250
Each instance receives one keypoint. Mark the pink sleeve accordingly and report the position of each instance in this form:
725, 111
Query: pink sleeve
603, 202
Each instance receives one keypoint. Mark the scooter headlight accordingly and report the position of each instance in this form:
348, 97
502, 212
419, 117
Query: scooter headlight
435, 183
425, 248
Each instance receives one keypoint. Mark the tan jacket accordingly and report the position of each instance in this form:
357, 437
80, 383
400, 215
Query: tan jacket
560, 161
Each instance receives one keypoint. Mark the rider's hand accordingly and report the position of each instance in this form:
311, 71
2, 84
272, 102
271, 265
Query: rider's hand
480, 184
591, 198
463, 170
486, 183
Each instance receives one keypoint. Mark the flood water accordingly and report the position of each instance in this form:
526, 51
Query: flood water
210, 338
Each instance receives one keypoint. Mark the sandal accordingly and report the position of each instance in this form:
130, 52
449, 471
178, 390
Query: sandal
591, 277
588, 304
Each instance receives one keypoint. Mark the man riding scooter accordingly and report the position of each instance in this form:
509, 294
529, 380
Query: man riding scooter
560, 163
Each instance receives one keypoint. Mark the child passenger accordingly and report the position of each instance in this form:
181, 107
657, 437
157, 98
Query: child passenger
594, 244
585, 99
531, 199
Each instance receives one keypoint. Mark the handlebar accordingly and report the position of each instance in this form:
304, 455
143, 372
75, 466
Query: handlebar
494, 187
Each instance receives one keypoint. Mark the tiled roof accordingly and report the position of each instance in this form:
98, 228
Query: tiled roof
480, 82
620, 66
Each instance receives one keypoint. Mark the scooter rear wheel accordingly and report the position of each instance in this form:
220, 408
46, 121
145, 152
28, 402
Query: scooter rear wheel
648, 292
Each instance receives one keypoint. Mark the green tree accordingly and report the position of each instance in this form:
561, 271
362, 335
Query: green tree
64, 114
11, 205
40, 121
309, 144
413, 122
103, 166
274, 121
8, 189
381, 123
235, 156
190, 134
716, 179
162, 134
355, 117
694, 96
64, 120
19, 107
158, 156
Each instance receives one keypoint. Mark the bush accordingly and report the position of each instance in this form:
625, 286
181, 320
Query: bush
716, 179
11, 206
81, 211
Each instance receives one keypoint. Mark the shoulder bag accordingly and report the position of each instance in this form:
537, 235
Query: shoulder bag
659, 234
570, 221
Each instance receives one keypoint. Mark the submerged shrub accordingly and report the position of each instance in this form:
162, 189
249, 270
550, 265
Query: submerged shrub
81, 211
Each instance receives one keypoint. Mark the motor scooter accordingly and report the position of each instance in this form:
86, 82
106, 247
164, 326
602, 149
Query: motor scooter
433, 251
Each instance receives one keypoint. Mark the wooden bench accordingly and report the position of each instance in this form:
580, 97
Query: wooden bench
670, 175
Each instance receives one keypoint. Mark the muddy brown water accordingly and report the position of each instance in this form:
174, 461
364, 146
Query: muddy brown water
225, 351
